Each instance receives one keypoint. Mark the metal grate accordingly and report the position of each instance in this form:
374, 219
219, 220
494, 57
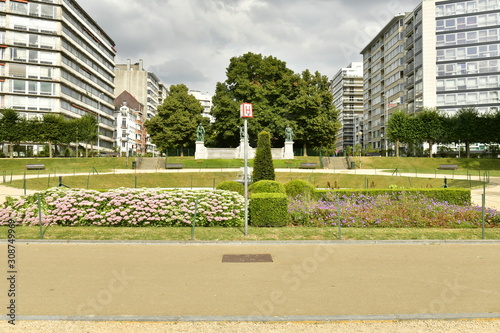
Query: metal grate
236, 258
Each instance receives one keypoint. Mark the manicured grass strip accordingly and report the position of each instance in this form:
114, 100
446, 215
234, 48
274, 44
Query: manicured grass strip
237, 234
212, 179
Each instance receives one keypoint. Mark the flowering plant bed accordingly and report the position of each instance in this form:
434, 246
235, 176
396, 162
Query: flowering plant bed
408, 211
127, 207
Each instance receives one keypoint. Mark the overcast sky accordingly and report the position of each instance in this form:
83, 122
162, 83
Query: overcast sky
192, 41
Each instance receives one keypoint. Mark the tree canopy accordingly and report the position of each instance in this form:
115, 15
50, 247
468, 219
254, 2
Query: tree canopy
177, 120
280, 98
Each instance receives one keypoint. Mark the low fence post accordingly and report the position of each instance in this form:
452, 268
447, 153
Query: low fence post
193, 224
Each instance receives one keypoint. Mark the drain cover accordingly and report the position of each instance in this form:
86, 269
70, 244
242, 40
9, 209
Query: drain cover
247, 258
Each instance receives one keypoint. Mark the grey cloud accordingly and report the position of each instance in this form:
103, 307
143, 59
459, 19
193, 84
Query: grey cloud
191, 41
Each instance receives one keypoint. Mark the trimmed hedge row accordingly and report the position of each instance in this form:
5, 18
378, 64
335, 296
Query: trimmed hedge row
455, 196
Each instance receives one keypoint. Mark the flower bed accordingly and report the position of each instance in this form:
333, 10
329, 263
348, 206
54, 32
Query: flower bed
410, 211
128, 207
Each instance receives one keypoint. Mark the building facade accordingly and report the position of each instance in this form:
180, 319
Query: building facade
384, 83
206, 101
450, 57
56, 59
347, 90
129, 125
144, 86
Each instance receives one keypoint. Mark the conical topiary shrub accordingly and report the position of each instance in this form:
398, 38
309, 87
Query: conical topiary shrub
263, 168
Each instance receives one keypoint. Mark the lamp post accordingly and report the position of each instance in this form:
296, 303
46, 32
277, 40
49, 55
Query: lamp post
246, 111
98, 121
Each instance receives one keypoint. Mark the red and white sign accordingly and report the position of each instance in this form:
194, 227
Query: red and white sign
246, 110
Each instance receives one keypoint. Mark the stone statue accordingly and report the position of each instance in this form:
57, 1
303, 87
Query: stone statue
200, 133
288, 134
242, 133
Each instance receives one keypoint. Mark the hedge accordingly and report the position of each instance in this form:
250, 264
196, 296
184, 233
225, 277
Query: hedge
268, 209
267, 186
455, 196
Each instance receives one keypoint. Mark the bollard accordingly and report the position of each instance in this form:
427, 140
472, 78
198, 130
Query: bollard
339, 236
193, 224
40, 216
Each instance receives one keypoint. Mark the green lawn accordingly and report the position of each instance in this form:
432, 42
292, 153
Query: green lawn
212, 179
237, 234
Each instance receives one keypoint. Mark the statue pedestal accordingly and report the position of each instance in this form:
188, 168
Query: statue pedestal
201, 151
288, 154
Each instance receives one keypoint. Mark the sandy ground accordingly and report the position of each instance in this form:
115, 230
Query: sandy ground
462, 326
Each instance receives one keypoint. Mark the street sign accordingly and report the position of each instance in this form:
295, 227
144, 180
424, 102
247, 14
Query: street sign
246, 110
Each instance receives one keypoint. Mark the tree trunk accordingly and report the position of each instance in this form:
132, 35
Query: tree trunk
431, 143
397, 147
50, 149
304, 153
182, 151
11, 150
467, 149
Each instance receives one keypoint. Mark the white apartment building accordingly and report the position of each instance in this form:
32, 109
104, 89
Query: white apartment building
347, 90
451, 58
206, 102
56, 59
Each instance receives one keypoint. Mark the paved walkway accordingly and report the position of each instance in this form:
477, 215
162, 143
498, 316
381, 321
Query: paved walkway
305, 281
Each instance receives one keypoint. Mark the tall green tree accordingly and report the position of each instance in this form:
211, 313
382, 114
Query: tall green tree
280, 98
397, 128
431, 127
265, 82
467, 127
87, 131
10, 129
311, 108
177, 120
263, 168
52, 130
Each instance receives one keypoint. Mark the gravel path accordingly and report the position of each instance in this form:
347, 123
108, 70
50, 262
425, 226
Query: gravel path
462, 326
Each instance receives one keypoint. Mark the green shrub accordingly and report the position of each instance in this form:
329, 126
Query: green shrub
267, 186
268, 209
299, 187
455, 196
263, 168
231, 185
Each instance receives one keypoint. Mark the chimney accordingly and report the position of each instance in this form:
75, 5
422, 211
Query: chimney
140, 65
128, 64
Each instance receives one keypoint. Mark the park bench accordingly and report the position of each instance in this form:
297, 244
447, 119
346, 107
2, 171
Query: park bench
307, 166
173, 166
448, 167
35, 166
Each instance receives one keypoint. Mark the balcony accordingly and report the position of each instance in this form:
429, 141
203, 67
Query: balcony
409, 42
409, 29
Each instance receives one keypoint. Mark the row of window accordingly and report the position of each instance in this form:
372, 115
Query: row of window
469, 22
471, 37
478, 82
465, 68
30, 24
32, 72
469, 98
32, 103
466, 7
33, 9
471, 52
32, 40
33, 56
32, 87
